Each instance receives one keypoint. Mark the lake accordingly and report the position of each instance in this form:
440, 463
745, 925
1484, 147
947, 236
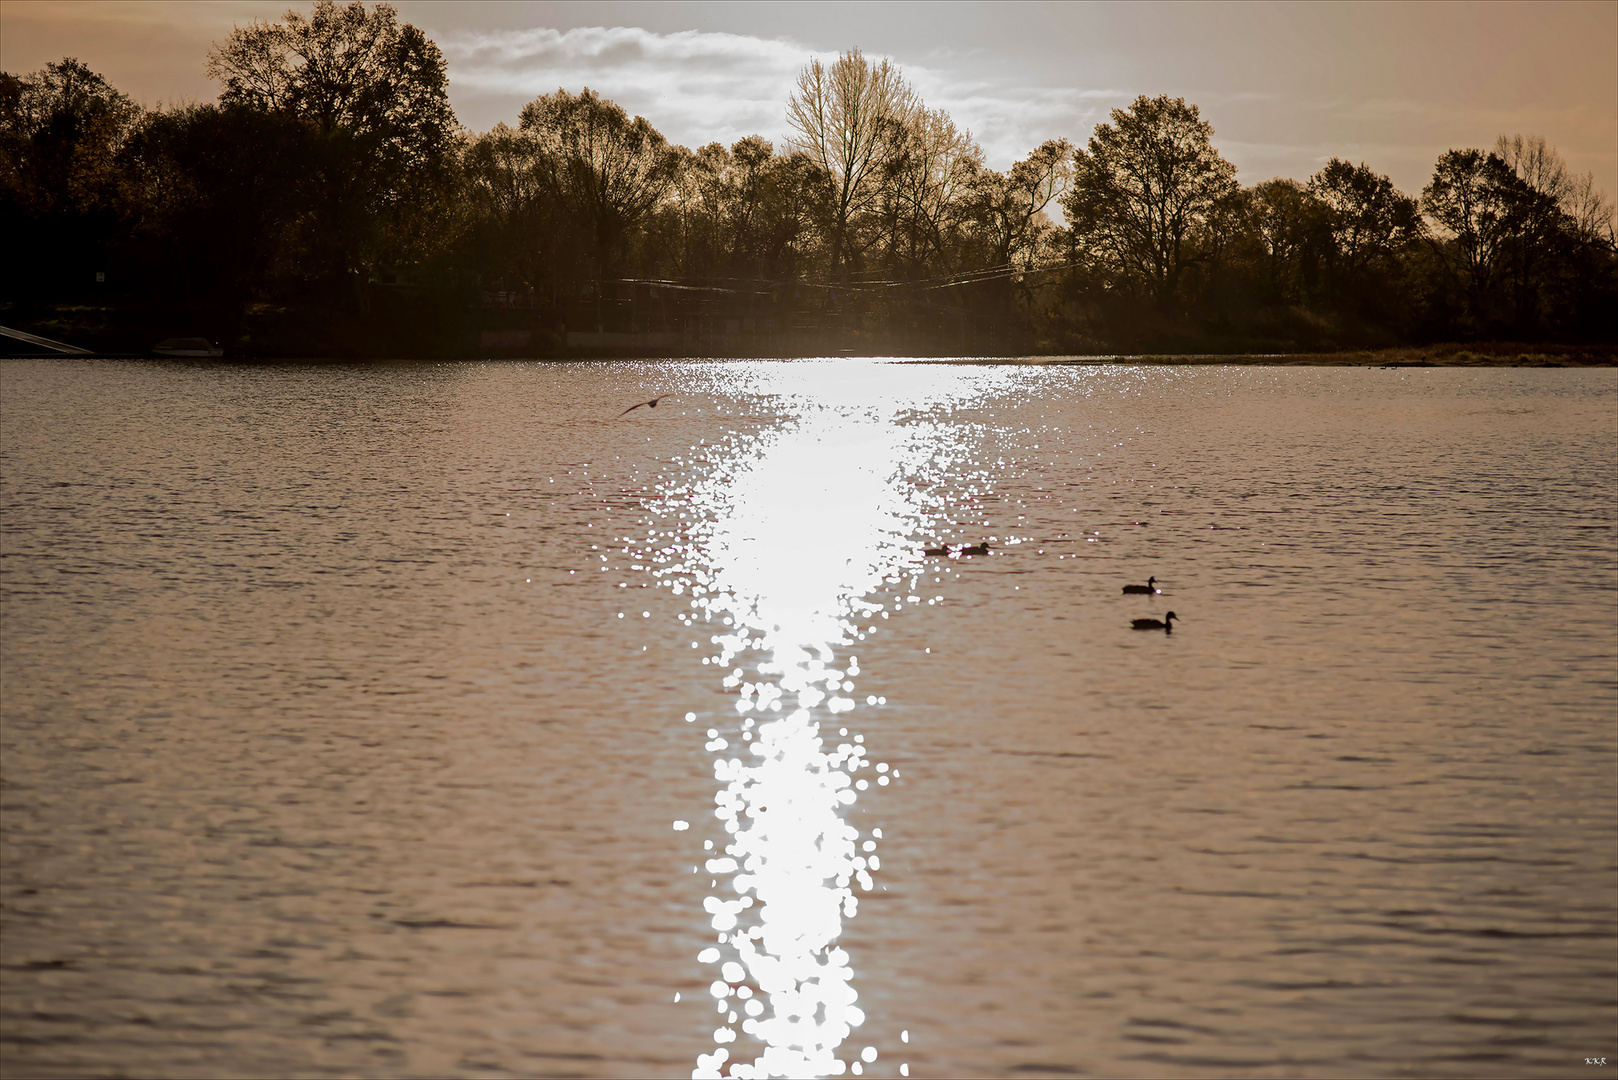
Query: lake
429, 719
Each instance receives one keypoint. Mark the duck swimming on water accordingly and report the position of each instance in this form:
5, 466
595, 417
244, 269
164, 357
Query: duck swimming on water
944, 550
1148, 589
1152, 624
975, 549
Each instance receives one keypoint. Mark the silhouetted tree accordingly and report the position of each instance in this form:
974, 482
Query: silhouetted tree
518, 230
1143, 194
752, 165
374, 95
333, 153
1294, 228
61, 130
1558, 220
611, 171
1010, 207
1477, 199
1006, 216
927, 181
1371, 223
707, 193
791, 215
846, 118
212, 200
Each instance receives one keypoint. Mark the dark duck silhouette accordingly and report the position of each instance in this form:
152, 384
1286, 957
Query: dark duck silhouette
942, 550
975, 549
1148, 589
652, 404
1166, 625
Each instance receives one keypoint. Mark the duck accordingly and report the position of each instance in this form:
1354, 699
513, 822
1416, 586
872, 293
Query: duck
975, 549
1148, 589
944, 550
1166, 625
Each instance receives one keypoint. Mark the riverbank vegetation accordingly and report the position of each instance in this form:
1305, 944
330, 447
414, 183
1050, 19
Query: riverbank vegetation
329, 203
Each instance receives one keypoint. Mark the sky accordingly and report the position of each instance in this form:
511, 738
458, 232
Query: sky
1287, 86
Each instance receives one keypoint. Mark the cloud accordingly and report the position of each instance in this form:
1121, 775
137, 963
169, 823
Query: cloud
698, 87
694, 86
1008, 120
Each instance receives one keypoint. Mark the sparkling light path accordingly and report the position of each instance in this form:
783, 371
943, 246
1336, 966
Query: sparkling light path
798, 547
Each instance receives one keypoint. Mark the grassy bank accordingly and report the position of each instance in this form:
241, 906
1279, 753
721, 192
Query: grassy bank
1450, 354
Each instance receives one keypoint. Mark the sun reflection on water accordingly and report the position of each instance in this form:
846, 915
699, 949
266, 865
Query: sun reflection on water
794, 546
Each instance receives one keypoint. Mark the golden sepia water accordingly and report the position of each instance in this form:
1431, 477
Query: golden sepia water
435, 719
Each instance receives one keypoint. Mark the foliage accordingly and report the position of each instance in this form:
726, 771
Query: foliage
1145, 193
510, 191
383, 138
209, 225
332, 177
61, 130
926, 183
610, 170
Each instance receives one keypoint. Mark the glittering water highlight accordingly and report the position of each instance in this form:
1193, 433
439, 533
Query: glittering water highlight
795, 553
360, 756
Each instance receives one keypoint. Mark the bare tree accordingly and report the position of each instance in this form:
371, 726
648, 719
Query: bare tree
1589, 212
927, 183
1535, 162
1573, 201
845, 117
1539, 223
1011, 207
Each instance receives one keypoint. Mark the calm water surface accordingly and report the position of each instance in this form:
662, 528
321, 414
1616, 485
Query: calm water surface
423, 720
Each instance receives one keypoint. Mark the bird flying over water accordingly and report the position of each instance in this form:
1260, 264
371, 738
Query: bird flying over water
652, 404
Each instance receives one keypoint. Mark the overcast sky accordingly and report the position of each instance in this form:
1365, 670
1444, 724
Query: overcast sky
1286, 86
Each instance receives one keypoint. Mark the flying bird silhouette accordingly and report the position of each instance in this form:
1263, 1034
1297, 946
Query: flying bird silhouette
652, 404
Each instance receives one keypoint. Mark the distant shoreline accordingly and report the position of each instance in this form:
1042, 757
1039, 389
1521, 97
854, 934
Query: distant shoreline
18, 344
1543, 356
1436, 356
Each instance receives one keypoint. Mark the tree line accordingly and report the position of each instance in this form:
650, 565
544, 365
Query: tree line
331, 178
